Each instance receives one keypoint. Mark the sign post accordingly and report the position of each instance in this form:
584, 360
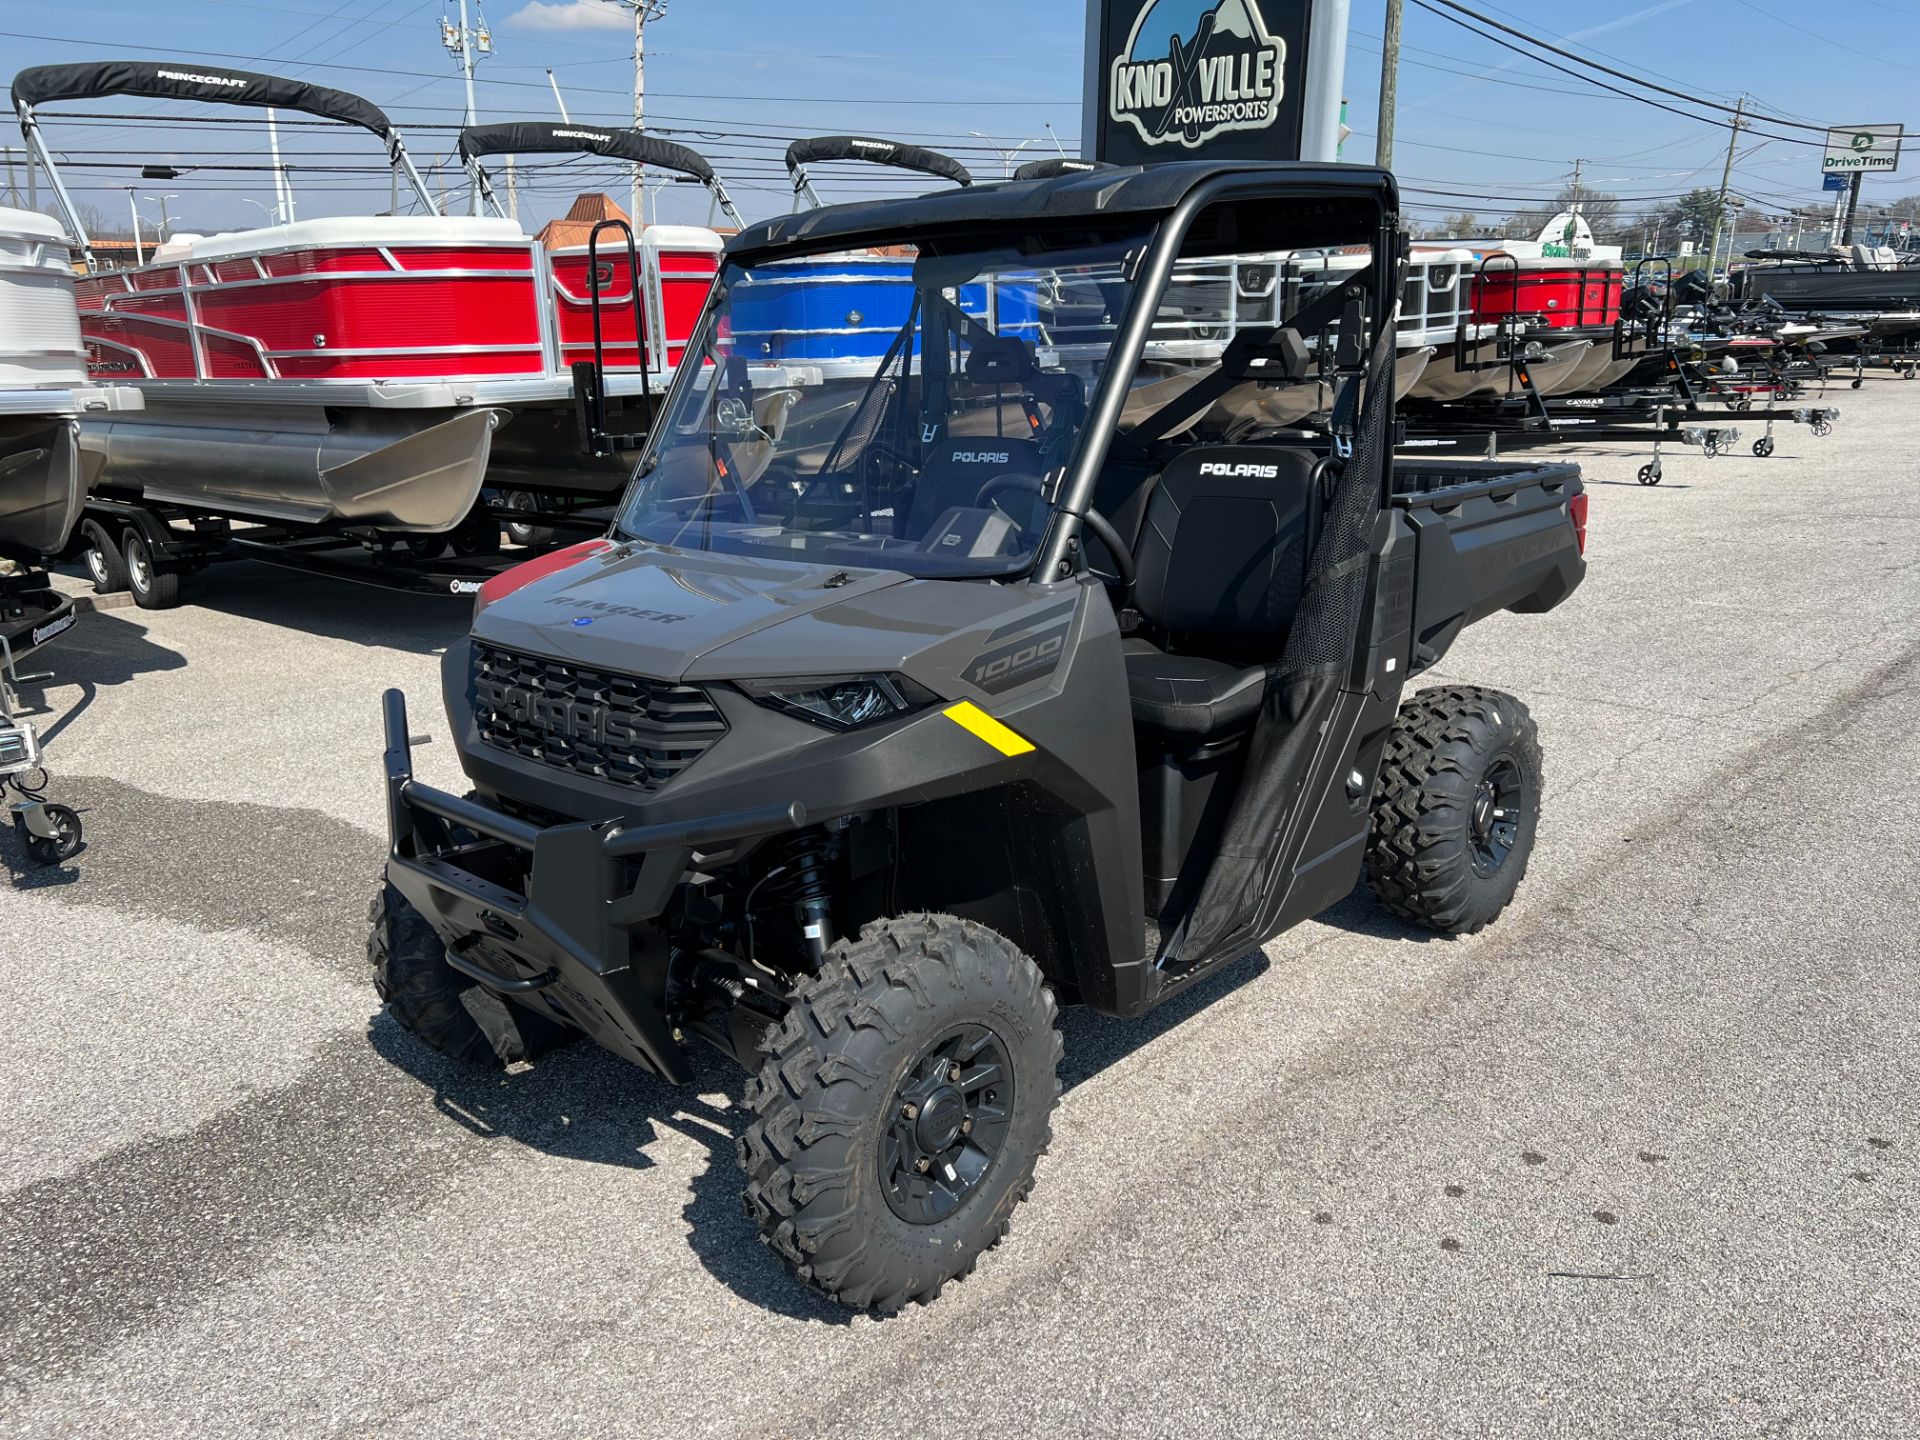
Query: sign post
1215, 79
1855, 150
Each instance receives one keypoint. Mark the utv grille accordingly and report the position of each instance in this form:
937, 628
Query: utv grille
592, 722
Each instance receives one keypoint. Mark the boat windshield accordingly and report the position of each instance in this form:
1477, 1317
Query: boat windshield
909, 411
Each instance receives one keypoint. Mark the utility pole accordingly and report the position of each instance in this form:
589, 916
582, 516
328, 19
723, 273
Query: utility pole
282, 186
469, 45
1575, 205
1726, 179
643, 11
1389, 87
133, 208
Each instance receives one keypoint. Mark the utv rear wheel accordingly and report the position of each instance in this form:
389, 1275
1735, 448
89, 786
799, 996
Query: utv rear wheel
904, 1101
1455, 809
440, 1006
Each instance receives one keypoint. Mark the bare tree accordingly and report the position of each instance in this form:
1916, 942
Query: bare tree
1461, 225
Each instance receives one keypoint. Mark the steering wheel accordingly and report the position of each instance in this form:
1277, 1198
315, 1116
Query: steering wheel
1102, 530
1101, 527
1010, 480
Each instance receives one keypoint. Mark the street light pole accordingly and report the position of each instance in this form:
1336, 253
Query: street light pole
1007, 157
166, 220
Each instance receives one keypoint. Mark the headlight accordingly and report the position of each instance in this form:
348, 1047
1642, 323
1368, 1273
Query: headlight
842, 702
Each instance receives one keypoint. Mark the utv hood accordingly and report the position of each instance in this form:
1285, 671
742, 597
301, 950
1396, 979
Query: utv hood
642, 610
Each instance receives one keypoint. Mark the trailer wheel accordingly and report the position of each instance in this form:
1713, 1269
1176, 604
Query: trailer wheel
440, 1006
101, 556
478, 534
1455, 808
1763, 447
902, 1106
155, 584
1649, 474
532, 536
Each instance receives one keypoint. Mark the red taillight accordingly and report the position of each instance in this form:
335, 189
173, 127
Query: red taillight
506, 582
1577, 508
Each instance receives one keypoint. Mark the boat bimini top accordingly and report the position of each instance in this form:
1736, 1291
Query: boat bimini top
891, 153
526, 137
191, 80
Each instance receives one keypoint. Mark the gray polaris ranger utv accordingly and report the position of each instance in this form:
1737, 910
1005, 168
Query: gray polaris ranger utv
980, 653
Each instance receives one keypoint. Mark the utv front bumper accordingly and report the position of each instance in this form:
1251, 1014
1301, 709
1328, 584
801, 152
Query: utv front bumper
561, 918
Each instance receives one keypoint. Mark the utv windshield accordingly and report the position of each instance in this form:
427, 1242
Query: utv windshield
901, 410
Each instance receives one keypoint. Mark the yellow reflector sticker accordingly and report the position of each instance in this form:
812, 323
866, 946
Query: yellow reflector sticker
969, 716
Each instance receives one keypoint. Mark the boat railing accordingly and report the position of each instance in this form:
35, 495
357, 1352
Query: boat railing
590, 376
1638, 335
1473, 348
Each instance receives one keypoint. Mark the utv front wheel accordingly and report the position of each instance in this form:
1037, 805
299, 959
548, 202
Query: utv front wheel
437, 1004
904, 1101
1455, 809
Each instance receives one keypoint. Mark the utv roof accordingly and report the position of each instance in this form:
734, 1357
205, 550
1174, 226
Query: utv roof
1140, 190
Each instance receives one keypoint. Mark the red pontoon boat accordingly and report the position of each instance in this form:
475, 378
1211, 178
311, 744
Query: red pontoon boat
369, 373
1553, 301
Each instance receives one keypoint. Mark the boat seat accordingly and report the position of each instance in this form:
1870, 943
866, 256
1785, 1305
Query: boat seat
1221, 562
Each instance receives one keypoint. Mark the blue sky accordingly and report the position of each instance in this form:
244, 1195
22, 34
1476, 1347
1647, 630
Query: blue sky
731, 77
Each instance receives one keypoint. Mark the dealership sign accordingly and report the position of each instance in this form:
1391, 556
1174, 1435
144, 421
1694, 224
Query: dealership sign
1177, 79
1857, 149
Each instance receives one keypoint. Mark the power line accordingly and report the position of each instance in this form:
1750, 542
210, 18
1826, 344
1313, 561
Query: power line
1454, 5
536, 85
1828, 40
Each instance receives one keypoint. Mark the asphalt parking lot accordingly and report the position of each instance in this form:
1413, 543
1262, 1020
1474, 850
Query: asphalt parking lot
1640, 1160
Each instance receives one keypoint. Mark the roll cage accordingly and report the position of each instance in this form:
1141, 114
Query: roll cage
1214, 205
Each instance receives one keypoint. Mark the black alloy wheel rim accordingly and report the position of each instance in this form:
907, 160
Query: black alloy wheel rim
1495, 825
949, 1120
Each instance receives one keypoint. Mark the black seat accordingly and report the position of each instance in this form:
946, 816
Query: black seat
1221, 560
1189, 695
957, 469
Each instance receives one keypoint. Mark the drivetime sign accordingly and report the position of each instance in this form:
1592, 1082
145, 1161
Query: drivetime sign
1183, 79
1856, 149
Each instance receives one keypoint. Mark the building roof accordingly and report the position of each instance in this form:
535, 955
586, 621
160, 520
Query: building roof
576, 226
